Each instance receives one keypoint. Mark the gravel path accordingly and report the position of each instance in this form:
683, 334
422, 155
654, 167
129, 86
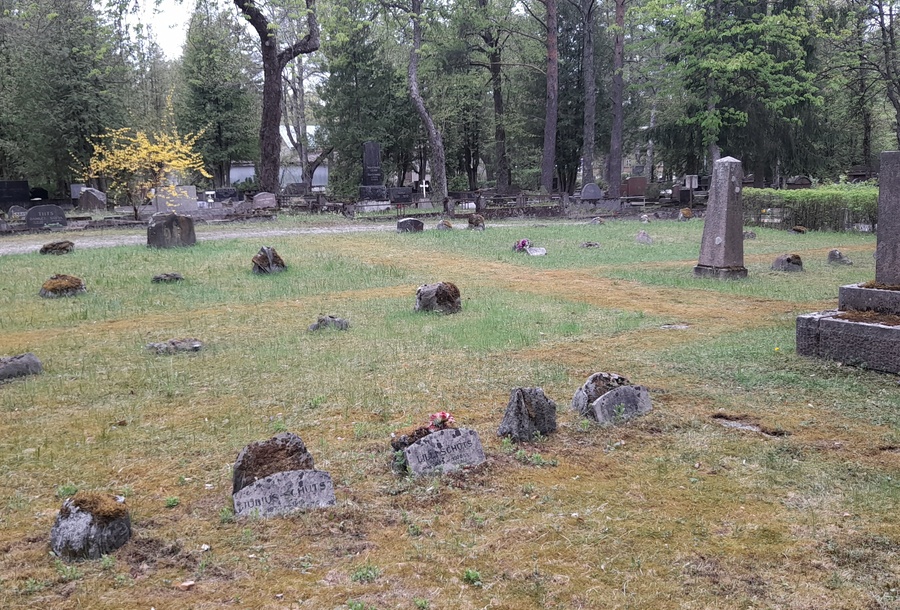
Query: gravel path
98, 240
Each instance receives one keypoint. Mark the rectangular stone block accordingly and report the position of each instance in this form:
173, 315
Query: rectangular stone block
285, 492
869, 299
871, 346
887, 260
445, 450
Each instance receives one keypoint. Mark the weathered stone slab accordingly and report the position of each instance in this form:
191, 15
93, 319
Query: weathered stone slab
444, 225
476, 222
836, 257
17, 213
443, 297
20, 366
334, 322
91, 199
41, 216
262, 201
643, 238
621, 404
790, 263
591, 193
167, 278
267, 260
444, 451
58, 247
170, 230
867, 345
593, 388
62, 285
722, 245
173, 346
89, 526
285, 492
529, 413
283, 452
400, 195
373, 193
536, 251
856, 297
410, 225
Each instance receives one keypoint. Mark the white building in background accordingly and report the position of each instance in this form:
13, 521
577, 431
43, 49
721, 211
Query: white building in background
290, 172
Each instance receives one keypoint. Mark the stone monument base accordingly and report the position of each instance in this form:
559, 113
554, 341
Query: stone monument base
720, 273
866, 344
854, 296
373, 193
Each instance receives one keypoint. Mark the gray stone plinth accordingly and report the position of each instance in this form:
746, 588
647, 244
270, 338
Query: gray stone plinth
444, 450
867, 345
722, 245
855, 297
285, 492
719, 273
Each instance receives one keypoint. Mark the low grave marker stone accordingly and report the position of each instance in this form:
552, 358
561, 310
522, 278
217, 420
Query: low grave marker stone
90, 525
170, 230
20, 366
530, 413
41, 216
444, 451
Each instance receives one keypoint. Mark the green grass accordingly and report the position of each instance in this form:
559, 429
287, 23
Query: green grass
672, 505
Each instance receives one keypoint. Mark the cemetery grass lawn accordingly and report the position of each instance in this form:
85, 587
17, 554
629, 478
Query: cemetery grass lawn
676, 509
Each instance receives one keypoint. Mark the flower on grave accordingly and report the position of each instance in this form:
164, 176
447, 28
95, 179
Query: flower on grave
440, 421
520, 245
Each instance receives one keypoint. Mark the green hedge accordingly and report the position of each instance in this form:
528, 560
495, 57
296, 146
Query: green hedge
827, 208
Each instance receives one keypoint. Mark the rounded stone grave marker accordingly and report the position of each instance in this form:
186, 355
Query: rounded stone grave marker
442, 297
90, 525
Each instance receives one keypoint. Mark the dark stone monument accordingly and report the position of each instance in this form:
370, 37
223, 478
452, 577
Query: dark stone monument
856, 333
267, 260
42, 216
410, 225
373, 193
444, 451
20, 366
39, 193
442, 297
227, 192
400, 195
529, 414
13, 192
170, 230
90, 525
372, 184
722, 245
621, 404
285, 492
91, 199
591, 193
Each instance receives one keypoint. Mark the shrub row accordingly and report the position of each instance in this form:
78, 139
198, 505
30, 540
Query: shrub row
829, 208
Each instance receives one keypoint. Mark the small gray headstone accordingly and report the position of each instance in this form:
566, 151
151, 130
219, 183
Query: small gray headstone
264, 201
20, 366
534, 251
87, 529
285, 492
836, 257
330, 322
41, 216
167, 278
621, 404
444, 451
529, 413
91, 199
170, 230
17, 213
643, 238
788, 262
410, 225
596, 386
591, 193
267, 260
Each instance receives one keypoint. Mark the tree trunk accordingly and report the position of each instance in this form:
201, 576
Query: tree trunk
651, 149
274, 61
438, 158
614, 162
501, 159
590, 92
548, 158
